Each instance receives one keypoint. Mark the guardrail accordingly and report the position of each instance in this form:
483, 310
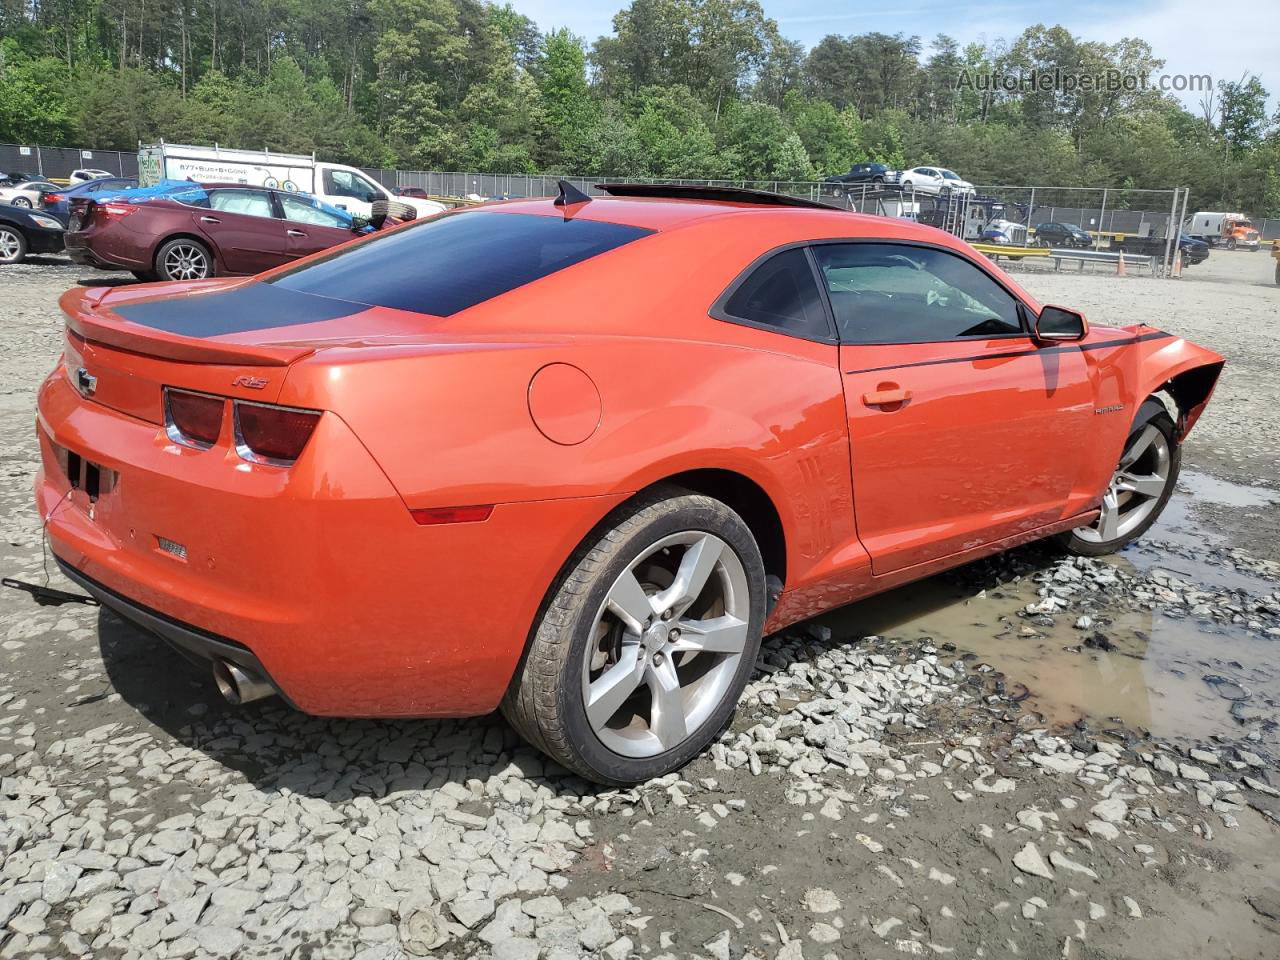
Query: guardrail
1057, 255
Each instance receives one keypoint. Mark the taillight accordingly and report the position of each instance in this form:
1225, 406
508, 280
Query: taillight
116, 211
192, 419
49, 199
271, 434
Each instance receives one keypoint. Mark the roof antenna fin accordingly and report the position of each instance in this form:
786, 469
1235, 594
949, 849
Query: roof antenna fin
570, 196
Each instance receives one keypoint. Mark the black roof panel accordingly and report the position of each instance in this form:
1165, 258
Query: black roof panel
676, 191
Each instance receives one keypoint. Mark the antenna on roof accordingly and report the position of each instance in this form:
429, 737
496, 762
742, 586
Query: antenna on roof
570, 196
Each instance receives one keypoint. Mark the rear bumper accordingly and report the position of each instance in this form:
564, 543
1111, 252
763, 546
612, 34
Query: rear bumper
316, 572
104, 254
191, 642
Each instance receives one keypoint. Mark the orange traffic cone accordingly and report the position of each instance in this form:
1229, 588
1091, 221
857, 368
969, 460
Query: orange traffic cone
1177, 264
1120, 265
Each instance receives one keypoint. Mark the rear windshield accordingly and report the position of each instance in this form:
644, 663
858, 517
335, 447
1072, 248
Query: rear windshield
450, 263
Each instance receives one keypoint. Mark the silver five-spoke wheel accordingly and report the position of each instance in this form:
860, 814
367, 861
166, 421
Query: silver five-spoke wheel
645, 640
1138, 489
667, 641
1135, 488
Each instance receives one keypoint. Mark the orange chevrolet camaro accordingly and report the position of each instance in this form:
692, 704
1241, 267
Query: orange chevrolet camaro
572, 457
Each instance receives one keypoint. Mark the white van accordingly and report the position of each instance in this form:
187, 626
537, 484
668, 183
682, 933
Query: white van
337, 184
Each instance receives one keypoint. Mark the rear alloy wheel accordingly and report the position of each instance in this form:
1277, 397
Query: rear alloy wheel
184, 259
13, 245
22, 202
1137, 492
643, 651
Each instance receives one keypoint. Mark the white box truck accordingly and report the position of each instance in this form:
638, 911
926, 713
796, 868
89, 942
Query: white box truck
345, 187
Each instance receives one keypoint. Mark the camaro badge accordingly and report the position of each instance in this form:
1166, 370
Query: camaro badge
86, 383
1112, 409
253, 383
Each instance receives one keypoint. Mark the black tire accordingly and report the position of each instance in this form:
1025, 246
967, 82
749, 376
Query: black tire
14, 242
544, 702
1151, 413
22, 202
1231, 244
164, 258
877, 179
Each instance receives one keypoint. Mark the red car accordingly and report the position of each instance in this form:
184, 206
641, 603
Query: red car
572, 458
211, 231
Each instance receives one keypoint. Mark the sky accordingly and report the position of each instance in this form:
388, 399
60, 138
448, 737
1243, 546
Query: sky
1223, 38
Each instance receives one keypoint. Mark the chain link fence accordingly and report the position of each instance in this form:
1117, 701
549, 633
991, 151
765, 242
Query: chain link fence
1101, 211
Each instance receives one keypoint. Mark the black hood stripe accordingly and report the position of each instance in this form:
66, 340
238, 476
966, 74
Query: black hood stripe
253, 306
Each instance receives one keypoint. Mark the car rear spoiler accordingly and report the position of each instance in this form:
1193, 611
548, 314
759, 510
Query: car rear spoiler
90, 320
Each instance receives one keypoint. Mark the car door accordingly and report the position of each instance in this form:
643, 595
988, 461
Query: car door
241, 223
310, 228
963, 430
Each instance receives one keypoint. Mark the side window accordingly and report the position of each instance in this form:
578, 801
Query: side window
781, 293
299, 211
891, 293
252, 203
344, 183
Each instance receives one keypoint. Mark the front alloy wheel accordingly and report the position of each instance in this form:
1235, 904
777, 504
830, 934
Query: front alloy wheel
1138, 490
13, 245
646, 644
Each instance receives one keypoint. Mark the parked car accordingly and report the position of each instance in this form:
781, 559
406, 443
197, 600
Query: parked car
16, 177
1193, 251
933, 180
59, 203
412, 192
213, 231
26, 194
85, 174
862, 173
24, 231
418, 476
1063, 236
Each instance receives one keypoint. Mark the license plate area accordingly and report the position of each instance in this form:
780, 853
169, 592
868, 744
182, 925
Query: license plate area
83, 474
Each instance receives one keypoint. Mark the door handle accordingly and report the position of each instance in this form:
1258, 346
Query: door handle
295, 233
883, 398
210, 220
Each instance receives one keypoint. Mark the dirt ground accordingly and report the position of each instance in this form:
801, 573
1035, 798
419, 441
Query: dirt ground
1029, 757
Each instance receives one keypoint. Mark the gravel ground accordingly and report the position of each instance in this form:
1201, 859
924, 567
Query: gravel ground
1033, 756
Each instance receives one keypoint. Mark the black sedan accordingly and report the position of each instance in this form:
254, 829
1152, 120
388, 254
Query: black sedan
24, 231
1062, 235
861, 173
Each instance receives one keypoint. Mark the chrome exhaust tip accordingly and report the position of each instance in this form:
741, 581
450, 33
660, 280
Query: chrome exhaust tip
238, 685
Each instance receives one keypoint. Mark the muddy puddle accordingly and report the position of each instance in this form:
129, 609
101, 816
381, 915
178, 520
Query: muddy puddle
1180, 678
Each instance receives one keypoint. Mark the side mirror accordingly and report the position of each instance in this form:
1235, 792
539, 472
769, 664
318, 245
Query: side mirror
1059, 323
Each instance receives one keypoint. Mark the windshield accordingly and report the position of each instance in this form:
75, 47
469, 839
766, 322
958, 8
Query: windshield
949, 175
